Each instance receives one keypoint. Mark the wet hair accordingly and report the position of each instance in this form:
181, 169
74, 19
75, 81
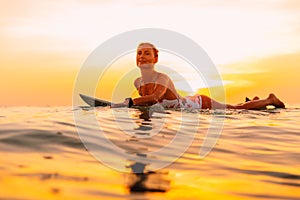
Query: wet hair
152, 46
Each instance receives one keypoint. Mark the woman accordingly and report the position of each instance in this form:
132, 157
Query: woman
155, 87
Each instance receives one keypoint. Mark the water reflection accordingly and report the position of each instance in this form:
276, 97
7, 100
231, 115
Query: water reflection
144, 123
140, 179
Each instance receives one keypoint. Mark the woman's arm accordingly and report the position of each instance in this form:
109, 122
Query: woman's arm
151, 99
159, 92
163, 83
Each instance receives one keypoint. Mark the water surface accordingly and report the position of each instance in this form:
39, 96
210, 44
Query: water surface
42, 157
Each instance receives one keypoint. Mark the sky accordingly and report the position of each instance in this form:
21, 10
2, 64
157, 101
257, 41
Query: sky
254, 46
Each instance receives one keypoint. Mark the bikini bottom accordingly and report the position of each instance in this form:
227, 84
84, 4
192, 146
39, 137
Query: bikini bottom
191, 102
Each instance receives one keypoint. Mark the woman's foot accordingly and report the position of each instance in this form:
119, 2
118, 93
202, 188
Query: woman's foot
255, 98
275, 101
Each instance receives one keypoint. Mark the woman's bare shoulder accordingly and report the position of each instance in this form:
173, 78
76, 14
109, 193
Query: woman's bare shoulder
162, 77
137, 82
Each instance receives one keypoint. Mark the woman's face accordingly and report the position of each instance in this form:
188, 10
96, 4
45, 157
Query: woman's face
145, 56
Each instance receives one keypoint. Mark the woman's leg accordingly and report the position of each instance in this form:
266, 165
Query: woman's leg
207, 102
261, 103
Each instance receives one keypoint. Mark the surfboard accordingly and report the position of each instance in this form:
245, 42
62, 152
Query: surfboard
94, 102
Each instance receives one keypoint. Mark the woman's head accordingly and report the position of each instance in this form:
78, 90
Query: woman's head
149, 45
147, 53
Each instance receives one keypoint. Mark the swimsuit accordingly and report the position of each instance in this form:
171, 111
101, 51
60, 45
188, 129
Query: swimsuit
191, 102
194, 102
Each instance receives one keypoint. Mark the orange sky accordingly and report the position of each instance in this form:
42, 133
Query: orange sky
43, 43
278, 74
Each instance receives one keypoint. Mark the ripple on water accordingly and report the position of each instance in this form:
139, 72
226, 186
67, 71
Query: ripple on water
257, 149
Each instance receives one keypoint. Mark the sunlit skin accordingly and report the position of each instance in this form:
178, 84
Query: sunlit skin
154, 86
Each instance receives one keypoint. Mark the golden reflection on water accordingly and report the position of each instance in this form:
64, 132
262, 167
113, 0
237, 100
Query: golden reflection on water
257, 157
73, 176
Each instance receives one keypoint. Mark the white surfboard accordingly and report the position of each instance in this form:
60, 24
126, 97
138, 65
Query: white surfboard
94, 102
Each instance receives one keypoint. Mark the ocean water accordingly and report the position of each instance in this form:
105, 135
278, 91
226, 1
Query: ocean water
137, 154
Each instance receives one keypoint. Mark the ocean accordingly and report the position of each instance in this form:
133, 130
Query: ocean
135, 154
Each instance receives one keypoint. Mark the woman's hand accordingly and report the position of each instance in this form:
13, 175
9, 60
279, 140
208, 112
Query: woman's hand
126, 103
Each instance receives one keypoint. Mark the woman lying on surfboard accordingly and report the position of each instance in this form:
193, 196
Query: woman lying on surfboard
155, 87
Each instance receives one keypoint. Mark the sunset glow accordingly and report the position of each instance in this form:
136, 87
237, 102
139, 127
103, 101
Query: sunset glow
255, 47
